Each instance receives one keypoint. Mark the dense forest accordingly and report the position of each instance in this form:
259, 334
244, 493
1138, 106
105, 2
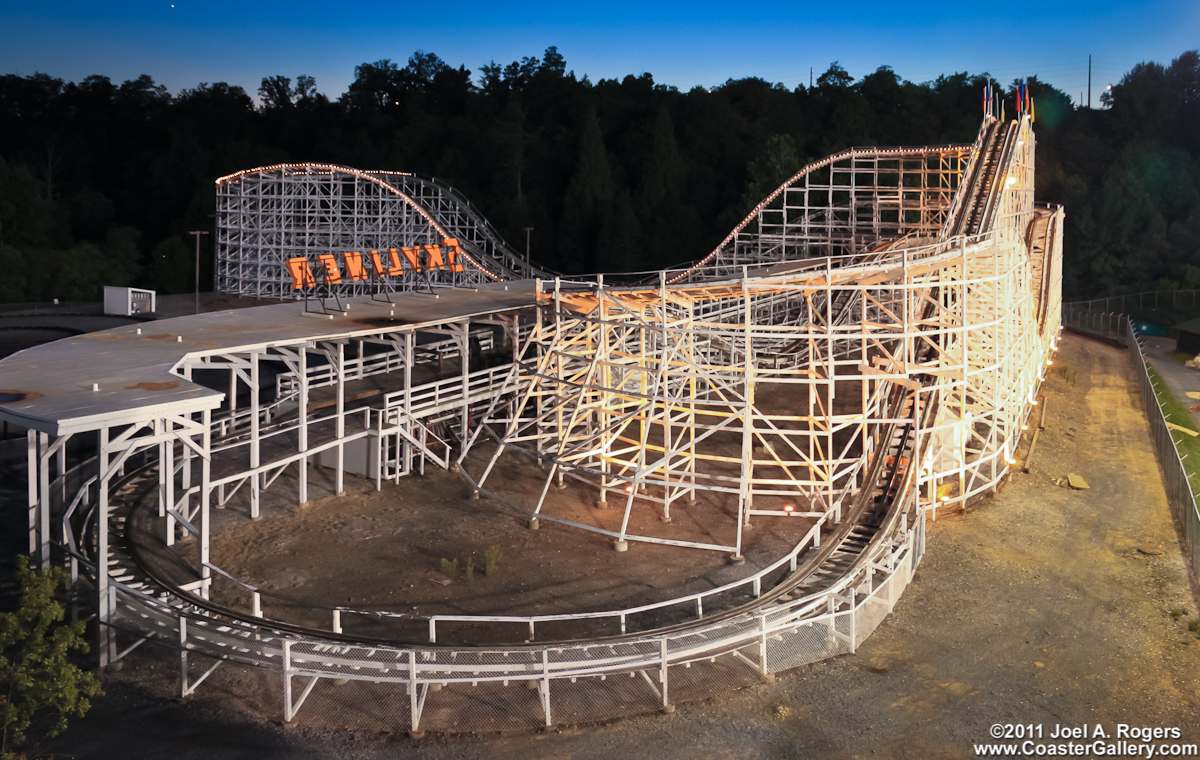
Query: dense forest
100, 182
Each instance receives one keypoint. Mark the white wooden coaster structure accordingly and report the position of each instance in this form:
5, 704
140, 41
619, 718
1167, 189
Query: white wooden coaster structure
269, 214
885, 315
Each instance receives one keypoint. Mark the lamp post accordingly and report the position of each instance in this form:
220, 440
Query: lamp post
198, 233
528, 268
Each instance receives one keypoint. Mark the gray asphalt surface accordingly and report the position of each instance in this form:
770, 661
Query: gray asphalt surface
1179, 379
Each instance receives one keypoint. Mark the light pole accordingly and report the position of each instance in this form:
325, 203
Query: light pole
528, 268
198, 233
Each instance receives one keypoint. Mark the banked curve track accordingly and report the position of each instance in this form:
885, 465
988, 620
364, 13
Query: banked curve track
822, 600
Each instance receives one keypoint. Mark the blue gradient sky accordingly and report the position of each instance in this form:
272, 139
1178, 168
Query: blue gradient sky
683, 44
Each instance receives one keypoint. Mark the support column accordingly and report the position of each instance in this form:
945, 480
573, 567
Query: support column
62, 469
166, 475
44, 455
185, 505
303, 474
410, 339
744, 494
464, 354
692, 393
668, 397
32, 502
163, 504
105, 638
605, 396
232, 393
831, 397
341, 418
255, 477
205, 500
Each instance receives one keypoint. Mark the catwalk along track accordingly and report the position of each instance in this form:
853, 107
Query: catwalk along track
863, 349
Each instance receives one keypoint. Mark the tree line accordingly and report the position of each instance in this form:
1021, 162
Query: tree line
100, 182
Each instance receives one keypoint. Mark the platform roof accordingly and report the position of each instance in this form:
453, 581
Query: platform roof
118, 376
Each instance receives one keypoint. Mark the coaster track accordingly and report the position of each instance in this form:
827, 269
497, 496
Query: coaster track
896, 313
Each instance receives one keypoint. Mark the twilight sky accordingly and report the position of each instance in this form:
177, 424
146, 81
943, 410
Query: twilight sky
681, 43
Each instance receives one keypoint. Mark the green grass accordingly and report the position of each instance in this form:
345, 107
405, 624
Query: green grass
1177, 413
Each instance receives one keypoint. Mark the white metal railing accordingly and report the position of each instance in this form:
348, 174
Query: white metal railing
427, 400
289, 426
440, 395
391, 422
239, 421
760, 642
810, 540
358, 367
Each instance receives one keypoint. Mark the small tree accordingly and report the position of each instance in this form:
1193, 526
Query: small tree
36, 671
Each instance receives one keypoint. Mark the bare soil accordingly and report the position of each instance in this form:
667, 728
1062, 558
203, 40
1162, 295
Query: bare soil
388, 550
1043, 605
419, 547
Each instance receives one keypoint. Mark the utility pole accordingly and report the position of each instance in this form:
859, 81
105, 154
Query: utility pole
528, 267
198, 233
1089, 82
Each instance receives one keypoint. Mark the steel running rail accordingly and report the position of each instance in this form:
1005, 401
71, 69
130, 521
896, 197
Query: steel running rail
879, 510
800, 572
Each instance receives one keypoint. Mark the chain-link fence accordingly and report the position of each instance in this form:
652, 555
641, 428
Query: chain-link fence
1106, 324
1150, 300
1106, 316
1180, 491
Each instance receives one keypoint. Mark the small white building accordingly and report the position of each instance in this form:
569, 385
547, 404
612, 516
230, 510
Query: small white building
128, 301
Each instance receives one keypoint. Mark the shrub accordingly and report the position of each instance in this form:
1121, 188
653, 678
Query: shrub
491, 560
37, 674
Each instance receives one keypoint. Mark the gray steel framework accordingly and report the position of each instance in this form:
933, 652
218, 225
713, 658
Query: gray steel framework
906, 366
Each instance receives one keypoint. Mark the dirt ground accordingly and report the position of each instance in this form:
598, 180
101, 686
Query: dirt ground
420, 547
1043, 605
386, 550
